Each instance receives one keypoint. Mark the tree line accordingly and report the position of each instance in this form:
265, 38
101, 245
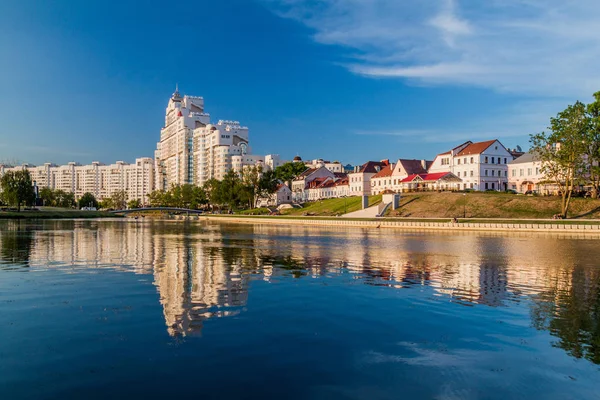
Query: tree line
234, 191
570, 151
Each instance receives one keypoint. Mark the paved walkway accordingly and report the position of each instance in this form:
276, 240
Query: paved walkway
370, 212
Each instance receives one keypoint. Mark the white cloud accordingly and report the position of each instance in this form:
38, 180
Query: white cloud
547, 47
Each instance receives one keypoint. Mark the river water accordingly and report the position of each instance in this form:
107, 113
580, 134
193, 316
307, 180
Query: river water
150, 309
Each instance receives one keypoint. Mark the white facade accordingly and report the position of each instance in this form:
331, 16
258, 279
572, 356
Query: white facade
335, 166
273, 161
480, 166
174, 161
525, 174
137, 180
360, 179
214, 147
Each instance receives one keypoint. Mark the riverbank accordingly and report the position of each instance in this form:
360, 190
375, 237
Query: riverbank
515, 225
56, 214
469, 205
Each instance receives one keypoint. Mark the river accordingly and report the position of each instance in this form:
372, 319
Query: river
185, 309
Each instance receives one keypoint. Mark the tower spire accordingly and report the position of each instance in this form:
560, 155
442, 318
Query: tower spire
176, 96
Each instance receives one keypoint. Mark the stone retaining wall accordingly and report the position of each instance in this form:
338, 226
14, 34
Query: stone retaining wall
383, 223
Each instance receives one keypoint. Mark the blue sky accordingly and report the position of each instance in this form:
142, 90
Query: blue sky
350, 80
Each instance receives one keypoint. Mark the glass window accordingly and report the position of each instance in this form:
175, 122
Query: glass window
458, 161
471, 172
471, 160
486, 172
486, 160
521, 172
514, 172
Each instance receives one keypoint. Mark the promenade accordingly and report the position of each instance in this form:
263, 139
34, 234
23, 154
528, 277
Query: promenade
566, 226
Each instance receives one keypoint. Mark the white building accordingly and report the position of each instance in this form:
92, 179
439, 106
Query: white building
525, 174
174, 160
334, 166
282, 195
273, 161
480, 166
302, 181
360, 179
137, 180
214, 147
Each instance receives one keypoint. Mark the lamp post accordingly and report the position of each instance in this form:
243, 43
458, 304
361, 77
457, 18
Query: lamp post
464, 205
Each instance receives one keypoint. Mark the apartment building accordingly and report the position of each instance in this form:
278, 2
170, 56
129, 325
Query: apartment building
480, 166
137, 180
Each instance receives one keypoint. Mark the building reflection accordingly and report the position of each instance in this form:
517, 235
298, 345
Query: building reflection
204, 271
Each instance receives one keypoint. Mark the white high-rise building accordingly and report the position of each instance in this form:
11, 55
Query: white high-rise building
174, 161
137, 180
191, 150
214, 147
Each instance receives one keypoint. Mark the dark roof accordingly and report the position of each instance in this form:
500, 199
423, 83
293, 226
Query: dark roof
525, 158
373, 166
415, 166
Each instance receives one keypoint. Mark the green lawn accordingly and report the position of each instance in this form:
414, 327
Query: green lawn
55, 213
332, 207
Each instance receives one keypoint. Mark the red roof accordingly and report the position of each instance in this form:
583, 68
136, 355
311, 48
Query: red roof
426, 177
476, 148
387, 171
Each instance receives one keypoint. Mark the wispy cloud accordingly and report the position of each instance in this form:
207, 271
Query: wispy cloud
547, 47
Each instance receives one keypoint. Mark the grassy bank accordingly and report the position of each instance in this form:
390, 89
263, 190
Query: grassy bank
331, 207
55, 213
448, 205
491, 205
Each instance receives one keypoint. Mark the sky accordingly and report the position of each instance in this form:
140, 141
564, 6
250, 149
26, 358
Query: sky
347, 80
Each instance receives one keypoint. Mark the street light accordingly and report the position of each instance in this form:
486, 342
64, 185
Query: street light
464, 205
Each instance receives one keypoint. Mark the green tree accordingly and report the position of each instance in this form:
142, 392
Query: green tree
288, 171
17, 188
135, 203
267, 185
119, 200
249, 188
562, 151
47, 195
64, 199
156, 198
593, 143
87, 200
212, 189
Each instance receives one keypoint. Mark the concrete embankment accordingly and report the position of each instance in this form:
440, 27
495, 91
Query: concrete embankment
560, 227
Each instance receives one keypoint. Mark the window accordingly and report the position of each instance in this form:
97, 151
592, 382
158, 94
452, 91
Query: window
471, 186
514, 172
486, 160
471, 160
445, 161
493, 185
537, 171
528, 171
493, 172
458, 174
458, 161
486, 185
505, 173
521, 172
504, 160
486, 172
465, 160
471, 172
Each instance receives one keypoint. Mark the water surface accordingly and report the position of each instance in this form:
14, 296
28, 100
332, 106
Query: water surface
151, 309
